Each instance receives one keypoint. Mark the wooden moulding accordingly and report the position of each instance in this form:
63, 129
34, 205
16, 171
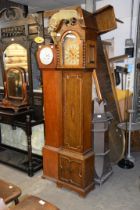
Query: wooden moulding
105, 19
118, 58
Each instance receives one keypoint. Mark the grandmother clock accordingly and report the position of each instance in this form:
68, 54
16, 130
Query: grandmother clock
67, 87
52, 93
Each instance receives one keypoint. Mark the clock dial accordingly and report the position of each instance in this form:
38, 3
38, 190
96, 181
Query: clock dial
71, 50
46, 55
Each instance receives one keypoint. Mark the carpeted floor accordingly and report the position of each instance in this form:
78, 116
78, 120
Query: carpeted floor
120, 192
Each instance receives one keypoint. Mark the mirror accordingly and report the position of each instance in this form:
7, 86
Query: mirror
16, 75
15, 89
15, 55
14, 83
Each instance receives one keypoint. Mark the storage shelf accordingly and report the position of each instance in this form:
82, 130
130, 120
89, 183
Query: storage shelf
19, 159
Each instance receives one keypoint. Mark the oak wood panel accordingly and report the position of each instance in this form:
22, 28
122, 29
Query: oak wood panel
64, 166
52, 90
76, 171
87, 110
73, 111
71, 170
50, 163
77, 110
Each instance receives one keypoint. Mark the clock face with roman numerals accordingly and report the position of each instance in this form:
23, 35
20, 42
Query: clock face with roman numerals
71, 50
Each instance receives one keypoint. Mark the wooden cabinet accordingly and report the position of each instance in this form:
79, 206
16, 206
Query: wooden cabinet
76, 171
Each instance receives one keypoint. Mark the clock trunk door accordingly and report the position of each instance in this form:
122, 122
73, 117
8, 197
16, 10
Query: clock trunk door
73, 111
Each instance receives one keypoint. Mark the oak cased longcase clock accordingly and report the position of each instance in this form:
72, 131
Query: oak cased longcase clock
76, 158
67, 87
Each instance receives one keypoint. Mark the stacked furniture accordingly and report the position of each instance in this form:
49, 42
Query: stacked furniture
10, 192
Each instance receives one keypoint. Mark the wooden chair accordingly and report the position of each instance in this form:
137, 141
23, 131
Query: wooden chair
9, 192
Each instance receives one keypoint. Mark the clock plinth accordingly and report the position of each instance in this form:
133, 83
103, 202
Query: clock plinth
76, 171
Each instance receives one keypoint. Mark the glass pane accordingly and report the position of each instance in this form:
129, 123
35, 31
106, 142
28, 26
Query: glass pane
71, 47
15, 55
14, 83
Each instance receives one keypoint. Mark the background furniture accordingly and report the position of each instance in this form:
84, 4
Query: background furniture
17, 52
9, 192
20, 159
103, 168
33, 202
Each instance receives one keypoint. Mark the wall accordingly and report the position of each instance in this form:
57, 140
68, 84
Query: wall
123, 12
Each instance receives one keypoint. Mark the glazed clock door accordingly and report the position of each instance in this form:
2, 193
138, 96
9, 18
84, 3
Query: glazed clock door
71, 50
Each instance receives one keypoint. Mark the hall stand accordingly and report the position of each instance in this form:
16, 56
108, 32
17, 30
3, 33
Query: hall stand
20, 106
25, 161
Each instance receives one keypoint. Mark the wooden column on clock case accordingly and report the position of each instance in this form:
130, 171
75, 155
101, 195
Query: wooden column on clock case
52, 94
